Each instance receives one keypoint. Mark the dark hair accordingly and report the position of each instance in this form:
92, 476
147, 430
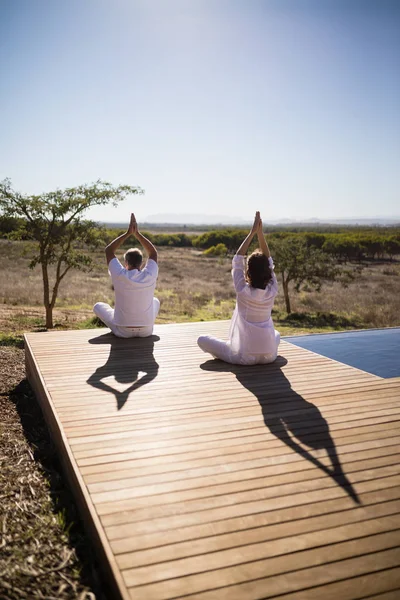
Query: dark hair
133, 257
258, 273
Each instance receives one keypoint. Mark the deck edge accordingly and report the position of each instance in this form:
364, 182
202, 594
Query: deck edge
90, 519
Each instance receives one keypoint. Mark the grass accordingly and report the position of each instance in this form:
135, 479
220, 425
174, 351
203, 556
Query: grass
194, 287
318, 322
15, 340
90, 323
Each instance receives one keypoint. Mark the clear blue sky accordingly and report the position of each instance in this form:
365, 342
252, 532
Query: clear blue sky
212, 106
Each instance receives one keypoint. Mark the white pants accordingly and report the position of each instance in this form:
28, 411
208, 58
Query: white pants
106, 314
223, 351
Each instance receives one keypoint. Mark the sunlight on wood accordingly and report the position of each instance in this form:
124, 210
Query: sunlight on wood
220, 481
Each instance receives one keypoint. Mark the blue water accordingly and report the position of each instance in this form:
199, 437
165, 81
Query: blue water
376, 351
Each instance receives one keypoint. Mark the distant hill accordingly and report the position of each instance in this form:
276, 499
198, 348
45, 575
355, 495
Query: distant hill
201, 219
194, 219
390, 221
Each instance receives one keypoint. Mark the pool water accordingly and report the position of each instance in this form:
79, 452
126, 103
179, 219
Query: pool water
376, 351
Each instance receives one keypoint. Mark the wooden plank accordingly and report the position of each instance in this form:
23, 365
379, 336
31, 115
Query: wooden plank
181, 430
242, 433
270, 577
129, 556
258, 458
202, 399
353, 588
287, 463
128, 522
236, 443
125, 539
299, 415
298, 471
202, 487
221, 456
314, 543
193, 486
96, 403
120, 504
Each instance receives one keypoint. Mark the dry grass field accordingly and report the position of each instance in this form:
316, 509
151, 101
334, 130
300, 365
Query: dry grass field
194, 287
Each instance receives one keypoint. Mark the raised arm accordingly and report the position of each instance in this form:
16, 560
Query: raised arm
115, 244
262, 242
147, 245
244, 246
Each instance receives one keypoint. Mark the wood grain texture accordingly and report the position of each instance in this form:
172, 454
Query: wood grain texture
225, 482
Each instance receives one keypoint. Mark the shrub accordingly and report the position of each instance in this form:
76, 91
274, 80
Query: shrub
230, 238
218, 250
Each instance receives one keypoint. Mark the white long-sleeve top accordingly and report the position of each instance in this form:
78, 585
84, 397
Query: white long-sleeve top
134, 292
252, 330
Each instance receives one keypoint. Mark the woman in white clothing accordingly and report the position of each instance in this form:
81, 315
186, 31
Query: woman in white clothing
252, 337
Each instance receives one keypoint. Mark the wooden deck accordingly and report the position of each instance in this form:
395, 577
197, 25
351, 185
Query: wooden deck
201, 479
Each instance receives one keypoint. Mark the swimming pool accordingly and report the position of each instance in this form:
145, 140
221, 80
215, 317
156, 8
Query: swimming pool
376, 351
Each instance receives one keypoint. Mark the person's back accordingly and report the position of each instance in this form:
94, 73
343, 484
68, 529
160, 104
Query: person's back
134, 293
252, 337
254, 303
135, 306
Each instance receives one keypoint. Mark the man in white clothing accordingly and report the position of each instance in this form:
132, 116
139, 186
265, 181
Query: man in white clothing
135, 306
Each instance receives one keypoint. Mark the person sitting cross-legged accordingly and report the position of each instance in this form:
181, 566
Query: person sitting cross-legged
252, 336
135, 306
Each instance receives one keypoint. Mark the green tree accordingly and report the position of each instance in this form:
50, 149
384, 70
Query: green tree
344, 247
232, 238
54, 222
299, 263
392, 246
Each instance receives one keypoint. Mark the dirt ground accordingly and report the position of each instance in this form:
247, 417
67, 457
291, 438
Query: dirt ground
14, 319
44, 552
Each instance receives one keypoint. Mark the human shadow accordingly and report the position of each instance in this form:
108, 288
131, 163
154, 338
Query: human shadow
128, 358
292, 419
